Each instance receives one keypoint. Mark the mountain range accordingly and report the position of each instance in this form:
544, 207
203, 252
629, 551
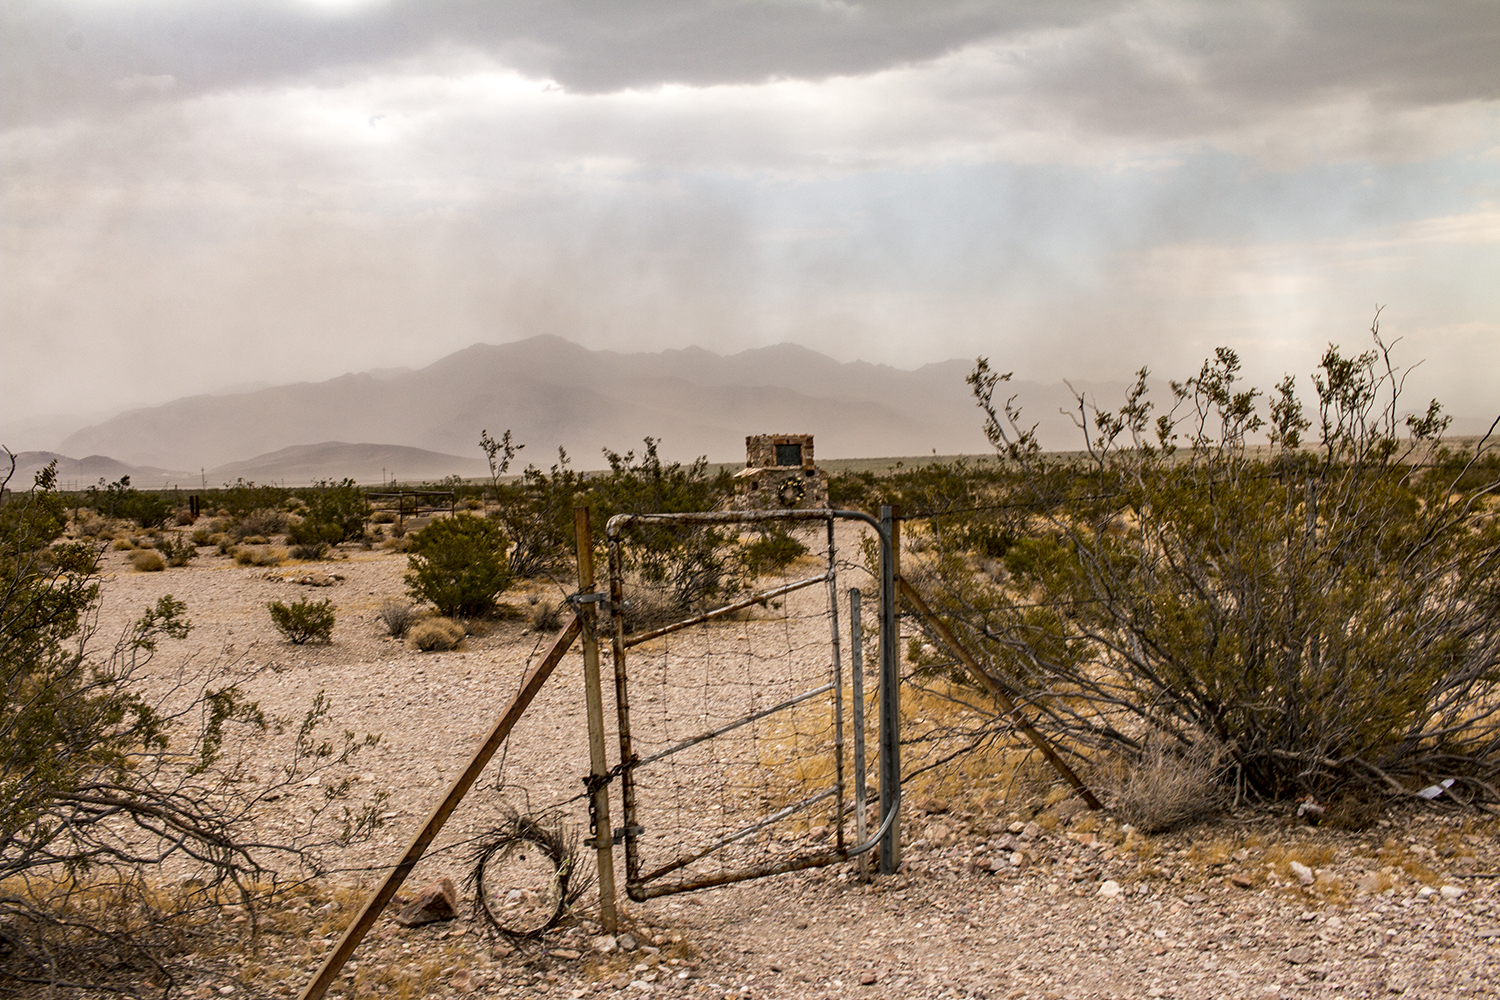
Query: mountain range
552, 393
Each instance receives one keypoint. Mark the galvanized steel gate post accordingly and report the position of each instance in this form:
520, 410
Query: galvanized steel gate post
890, 693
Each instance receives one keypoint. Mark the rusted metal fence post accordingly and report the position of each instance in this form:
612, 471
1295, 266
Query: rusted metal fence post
622, 714
588, 615
890, 691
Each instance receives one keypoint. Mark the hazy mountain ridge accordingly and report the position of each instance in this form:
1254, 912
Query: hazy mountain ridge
551, 392
296, 466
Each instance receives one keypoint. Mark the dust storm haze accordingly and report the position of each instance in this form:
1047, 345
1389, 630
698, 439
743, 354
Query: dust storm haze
200, 196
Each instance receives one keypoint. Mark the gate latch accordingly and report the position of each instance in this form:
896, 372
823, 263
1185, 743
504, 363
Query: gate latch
621, 832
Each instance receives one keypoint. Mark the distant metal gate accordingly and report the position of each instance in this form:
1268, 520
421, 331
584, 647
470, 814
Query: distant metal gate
732, 720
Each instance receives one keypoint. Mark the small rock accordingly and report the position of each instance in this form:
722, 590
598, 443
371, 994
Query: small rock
1016, 827
867, 978
628, 942
438, 901
1299, 956
1243, 881
605, 944
1109, 889
1488, 933
1426, 892
1304, 874
1031, 830
933, 806
1451, 892
564, 953
461, 981
1195, 897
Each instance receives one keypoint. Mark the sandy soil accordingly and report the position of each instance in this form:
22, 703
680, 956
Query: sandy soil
1017, 899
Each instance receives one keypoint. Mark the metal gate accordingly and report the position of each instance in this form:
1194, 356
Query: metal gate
732, 692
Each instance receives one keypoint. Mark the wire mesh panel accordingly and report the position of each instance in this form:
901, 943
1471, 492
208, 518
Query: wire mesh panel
731, 665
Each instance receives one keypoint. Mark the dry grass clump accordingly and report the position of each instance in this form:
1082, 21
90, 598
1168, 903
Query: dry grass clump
432, 635
259, 555
147, 561
398, 616
123, 544
546, 614
1165, 787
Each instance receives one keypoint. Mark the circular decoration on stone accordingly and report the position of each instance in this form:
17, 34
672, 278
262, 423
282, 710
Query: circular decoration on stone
791, 493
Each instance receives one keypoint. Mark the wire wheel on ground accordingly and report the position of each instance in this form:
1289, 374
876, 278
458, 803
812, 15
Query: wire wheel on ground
521, 877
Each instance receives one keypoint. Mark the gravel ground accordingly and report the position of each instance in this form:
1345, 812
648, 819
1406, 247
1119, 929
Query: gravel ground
1028, 898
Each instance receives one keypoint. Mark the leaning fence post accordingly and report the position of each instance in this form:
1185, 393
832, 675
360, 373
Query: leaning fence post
588, 616
890, 690
365, 919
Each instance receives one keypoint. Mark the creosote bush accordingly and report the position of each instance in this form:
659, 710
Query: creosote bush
1325, 614
303, 621
177, 550
104, 785
458, 564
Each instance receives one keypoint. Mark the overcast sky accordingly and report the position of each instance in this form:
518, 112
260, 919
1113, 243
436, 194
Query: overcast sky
199, 193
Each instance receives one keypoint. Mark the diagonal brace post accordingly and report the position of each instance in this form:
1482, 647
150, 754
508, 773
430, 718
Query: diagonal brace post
993, 688
373, 907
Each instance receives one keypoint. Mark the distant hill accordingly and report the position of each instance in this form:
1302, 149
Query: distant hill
78, 473
364, 463
553, 393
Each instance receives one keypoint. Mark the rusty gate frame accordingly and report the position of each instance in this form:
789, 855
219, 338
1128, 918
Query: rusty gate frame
637, 884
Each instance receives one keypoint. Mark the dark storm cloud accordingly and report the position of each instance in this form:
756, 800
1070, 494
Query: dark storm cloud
61, 58
1143, 69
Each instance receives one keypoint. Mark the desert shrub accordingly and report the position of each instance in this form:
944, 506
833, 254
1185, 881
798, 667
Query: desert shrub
771, 550
687, 566
546, 615
436, 634
260, 523
241, 499
101, 787
334, 513
90, 525
258, 555
203, 535
397, 616
458, 564
383, 517
177, 550
310, 553
121, 500
303, 621
123, 544
537, 515
147, 561
1328, 615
